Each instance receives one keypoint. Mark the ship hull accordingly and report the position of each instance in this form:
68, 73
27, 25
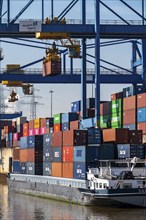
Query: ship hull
41, 187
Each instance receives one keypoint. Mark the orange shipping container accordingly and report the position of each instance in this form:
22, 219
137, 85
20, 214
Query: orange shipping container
52, 68
57, 169
57, 127
30, 155
129, 117
23, 155
117, 135
43, 122
141, 100
68, 170
142, 126
129, 103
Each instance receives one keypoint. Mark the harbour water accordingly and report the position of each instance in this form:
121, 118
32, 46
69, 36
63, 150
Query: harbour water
15, 206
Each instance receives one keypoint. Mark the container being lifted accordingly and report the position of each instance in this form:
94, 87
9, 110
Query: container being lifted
52, 62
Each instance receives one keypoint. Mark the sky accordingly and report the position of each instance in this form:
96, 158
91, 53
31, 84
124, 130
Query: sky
64, 94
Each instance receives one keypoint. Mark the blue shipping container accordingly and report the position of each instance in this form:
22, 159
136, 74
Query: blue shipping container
30, 168
130, 126
23, 142
23, 167
65, 126
35, 141
47, 154
80, 169
141, 114
70, 116
76, 106
87, 123
47, 169
49, 122
94, 136
47, 140
57, 154
88, 153
137, 150
16, 167
123, 150
108, 151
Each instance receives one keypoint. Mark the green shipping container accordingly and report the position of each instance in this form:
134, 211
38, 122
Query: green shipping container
116, 120
105, 121
57, 118
116, 105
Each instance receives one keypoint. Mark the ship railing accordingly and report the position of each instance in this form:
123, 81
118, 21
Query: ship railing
49, 180
88, 21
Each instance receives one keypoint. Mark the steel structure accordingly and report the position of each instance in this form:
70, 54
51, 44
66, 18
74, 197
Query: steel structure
120, 30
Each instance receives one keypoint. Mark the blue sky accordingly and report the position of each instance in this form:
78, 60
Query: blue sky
64, 94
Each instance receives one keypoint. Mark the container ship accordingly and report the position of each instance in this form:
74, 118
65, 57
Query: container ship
58, 157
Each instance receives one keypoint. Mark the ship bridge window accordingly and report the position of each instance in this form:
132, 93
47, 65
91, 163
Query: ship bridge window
100, 185
105, 185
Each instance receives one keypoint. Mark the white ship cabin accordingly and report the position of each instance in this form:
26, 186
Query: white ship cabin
117, 178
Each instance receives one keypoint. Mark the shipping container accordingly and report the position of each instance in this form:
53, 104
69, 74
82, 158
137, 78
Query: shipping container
76, 106
57, 127
35, 141
47, 140
30, 168
108, 151
142, 126
90, 153
90, 112
116, 106
129, 116
58, 118
56, 169
135, 136
94, 136
123, 151
130, 126
116, 120
57, 154
74, 137
36, 131
70, 116
141, 100
47, 169
87, 123
49, 122
90, 103
16, 154
31, 155
105, 121
31, 124
141, 114
37, 123
43, 130
57, 139
47, 154
23, 142
129, 91
52, 68
74, 125
105, 108
81, 168
116, 135
16, 167
31, 132
65, 126
116, 96
68, 170
21, 120
137, 150
23, 168
23, 155
129, 103
68, 154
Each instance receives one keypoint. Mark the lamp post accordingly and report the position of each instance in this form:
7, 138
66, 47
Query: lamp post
51, 92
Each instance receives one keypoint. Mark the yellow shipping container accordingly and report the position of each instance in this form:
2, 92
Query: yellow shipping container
12, 66
37, 123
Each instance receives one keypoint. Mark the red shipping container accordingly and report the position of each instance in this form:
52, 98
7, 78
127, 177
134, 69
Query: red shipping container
52, 68
135, 136
129, 103
68, 170
90, 112
57, 127
68, 154
74, 125
25, 129
116, 135
23, 155
30, 155
57, 139
129, 117
43, 130
16, 154
141, 100
15, 143
57, 169
142, 126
